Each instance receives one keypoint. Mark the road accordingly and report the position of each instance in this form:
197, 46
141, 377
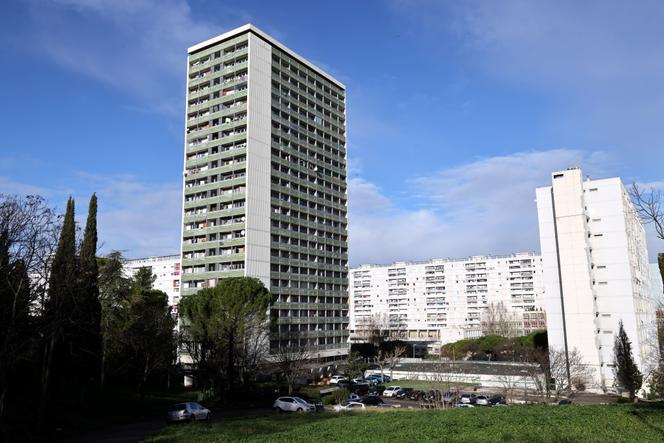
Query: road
135, 432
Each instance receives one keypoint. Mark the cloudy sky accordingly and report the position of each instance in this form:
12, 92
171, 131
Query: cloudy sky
456, 110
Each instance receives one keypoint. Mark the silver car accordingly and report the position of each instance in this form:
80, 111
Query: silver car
292, 404
190, 411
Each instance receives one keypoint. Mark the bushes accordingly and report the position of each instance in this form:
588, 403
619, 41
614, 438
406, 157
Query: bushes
495, 347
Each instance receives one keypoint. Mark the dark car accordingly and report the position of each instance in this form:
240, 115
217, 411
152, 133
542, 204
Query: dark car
378, 389
497, 400
416, 395
372, 400
565, 401
317, 403
403, 393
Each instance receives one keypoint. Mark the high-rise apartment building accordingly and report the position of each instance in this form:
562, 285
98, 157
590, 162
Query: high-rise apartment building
265, 188
596, 272
166, 269
445, 300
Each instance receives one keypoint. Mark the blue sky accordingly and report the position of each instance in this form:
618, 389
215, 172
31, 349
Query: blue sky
456, 110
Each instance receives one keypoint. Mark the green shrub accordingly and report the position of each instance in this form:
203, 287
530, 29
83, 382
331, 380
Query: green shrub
340, 395
328, 400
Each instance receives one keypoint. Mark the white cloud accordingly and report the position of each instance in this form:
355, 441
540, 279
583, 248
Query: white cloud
136, 217
483, 207
137, 46
599, 63
9, 186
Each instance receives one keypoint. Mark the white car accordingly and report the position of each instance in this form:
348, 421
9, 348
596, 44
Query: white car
292, 404
190, 411
360, 382
350, 406
391, 391
482, 400
336, 379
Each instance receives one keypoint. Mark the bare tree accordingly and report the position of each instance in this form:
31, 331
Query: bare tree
648, 205
292, 358
391, 358
28, 236
580, 373
373, 329
497, 320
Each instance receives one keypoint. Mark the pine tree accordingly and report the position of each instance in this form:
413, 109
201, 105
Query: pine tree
627, 373
59, 305
87, 316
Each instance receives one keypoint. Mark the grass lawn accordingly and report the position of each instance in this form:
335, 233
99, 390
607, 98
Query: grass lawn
614, 423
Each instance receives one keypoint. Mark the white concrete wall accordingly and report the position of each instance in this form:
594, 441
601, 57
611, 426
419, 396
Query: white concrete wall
165, 268
435, 295
604, 270
257, 254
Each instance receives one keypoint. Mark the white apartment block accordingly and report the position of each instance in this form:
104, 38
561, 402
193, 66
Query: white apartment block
444, 300
167, 270
596, 272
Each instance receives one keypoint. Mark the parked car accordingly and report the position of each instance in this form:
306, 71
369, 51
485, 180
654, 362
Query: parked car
349, 406
467, 399
190, 411
402, 393
354, 397
292, 404
372, 400
497, 400
380, 378
377, 389
391, 391
482, 400
317, 403
335, 379
360, 382
464, 405
565, 401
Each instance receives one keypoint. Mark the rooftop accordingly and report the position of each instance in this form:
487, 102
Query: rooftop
251, 28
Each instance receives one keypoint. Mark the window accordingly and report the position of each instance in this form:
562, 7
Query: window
558, 175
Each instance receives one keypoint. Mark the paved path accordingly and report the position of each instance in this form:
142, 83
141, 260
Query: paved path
135, 432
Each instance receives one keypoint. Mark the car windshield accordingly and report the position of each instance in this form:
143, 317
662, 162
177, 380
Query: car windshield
299, 400
178, 407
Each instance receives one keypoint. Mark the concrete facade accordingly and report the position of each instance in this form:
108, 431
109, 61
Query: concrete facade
596, 272
167, 270
265, 186
444, 300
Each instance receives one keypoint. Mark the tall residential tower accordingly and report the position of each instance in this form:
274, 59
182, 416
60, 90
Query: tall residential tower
596, 272
265, 189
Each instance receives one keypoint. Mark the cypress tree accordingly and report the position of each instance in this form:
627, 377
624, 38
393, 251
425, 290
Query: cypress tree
626, 371
59, 306
88, 309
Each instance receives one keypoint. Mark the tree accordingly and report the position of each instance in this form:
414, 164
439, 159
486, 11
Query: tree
143, 279
15, 324
496, 320
579, 372
627, 373
87, 313
657, 381
291, 360
114, 295
218, 322
57, 326
648, 205
147, 336
355, 366
392, 356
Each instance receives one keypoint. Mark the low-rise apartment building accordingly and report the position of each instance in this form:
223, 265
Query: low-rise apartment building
444, 300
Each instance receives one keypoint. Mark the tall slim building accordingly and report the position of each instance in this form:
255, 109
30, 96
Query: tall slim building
596, 272
265, 187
